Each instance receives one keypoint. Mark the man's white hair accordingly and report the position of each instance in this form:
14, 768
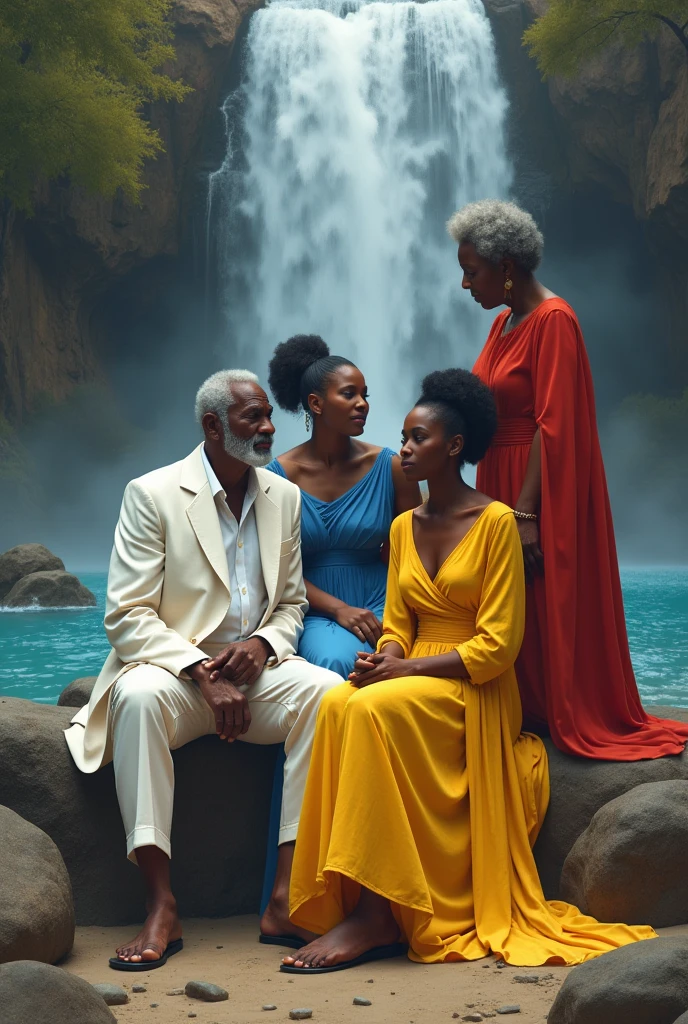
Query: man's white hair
215, 393
499, 230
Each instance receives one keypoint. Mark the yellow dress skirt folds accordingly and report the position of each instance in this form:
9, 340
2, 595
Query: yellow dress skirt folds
423, 789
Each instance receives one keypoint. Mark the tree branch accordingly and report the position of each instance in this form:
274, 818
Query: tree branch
676, 29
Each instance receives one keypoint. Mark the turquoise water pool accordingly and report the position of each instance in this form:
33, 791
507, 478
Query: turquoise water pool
42, 651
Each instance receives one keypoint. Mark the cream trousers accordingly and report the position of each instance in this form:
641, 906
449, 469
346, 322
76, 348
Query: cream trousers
153, 712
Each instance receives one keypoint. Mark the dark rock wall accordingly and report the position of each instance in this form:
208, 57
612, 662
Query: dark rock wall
58, 267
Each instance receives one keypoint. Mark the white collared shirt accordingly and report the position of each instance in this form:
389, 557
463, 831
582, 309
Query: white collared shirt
248, 593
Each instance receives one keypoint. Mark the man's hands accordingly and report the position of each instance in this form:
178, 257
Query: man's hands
362, 623
242, 662
218, 679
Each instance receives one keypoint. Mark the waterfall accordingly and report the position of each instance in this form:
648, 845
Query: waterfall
357, 130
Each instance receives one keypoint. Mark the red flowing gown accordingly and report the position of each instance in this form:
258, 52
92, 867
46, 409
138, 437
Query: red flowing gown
574, 670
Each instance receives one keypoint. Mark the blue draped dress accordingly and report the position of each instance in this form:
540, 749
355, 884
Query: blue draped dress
340, 545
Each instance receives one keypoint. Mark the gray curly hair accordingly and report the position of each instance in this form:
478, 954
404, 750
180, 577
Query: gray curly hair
215, 393
499, 230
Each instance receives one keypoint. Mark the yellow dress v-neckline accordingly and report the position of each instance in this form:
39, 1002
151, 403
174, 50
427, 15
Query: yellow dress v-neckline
433, 579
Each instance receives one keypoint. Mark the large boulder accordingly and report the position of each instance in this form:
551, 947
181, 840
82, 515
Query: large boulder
219, 838
36, 908
77, 693
33, 993
22, 561
630, 863
54, 589
580, 787
644, 983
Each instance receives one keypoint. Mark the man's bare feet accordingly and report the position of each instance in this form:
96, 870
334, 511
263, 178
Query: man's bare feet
161, 927
275, 920
371, 924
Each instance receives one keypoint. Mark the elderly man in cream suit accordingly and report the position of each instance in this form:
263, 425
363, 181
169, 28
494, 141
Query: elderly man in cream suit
205, 607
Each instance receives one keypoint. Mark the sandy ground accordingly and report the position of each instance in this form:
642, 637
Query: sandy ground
227, 953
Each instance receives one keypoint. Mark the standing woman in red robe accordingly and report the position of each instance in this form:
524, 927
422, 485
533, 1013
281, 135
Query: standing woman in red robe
574, 670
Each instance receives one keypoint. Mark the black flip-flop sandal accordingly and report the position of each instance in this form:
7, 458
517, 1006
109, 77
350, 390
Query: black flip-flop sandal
290, 941
147, 965
376, 953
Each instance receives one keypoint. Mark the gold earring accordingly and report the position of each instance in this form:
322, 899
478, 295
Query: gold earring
308, 421
508, 285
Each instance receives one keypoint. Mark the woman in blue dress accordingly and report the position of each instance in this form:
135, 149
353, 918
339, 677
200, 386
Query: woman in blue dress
351, 491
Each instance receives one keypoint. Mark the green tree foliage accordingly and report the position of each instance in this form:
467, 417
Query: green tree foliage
570, 31
74, 75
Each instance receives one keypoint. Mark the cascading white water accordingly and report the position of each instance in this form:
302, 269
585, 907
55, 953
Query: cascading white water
358, 129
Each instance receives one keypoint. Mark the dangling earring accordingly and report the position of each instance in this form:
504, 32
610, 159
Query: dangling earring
308, 421
508, 285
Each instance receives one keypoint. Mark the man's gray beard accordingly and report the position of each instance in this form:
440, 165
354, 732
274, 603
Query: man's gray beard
243, 449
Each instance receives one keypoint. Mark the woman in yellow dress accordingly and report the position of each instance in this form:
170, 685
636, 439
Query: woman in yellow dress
423, 797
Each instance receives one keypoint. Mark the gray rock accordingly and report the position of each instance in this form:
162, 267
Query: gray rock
175, 992
362, 1001
36, 907
206, 991
141, 988
300, 1014
39, 780
630, 863
154, 1006
34, 993
580, 787
526, 979
77, 693
269, 1006
191, 1014
112, 994
473, 1017
683, 1019
644, 983
512, 1008
22, 561
54, 589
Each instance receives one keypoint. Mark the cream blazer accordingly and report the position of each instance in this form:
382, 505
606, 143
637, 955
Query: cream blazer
168, 587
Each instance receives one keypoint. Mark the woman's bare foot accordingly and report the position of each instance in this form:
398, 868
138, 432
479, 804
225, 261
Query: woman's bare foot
161, 927
275, 921
371, 924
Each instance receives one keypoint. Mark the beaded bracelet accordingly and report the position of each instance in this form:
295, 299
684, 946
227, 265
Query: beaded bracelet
524, 515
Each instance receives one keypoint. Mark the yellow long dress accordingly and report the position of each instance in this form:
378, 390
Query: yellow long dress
422, 789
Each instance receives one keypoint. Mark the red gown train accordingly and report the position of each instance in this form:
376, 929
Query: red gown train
574, 670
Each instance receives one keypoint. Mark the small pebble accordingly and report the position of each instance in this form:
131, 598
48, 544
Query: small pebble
371, 981
113, 995
526, 979
138, 988
153, 1005
487, 965
206, 991
219, 947
501, 963
473, 1016
360, 1001
269, 1006
470, 1005
515, 1008
456, 1015
175, 992
191, 1014
300, 1014
489, 1013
